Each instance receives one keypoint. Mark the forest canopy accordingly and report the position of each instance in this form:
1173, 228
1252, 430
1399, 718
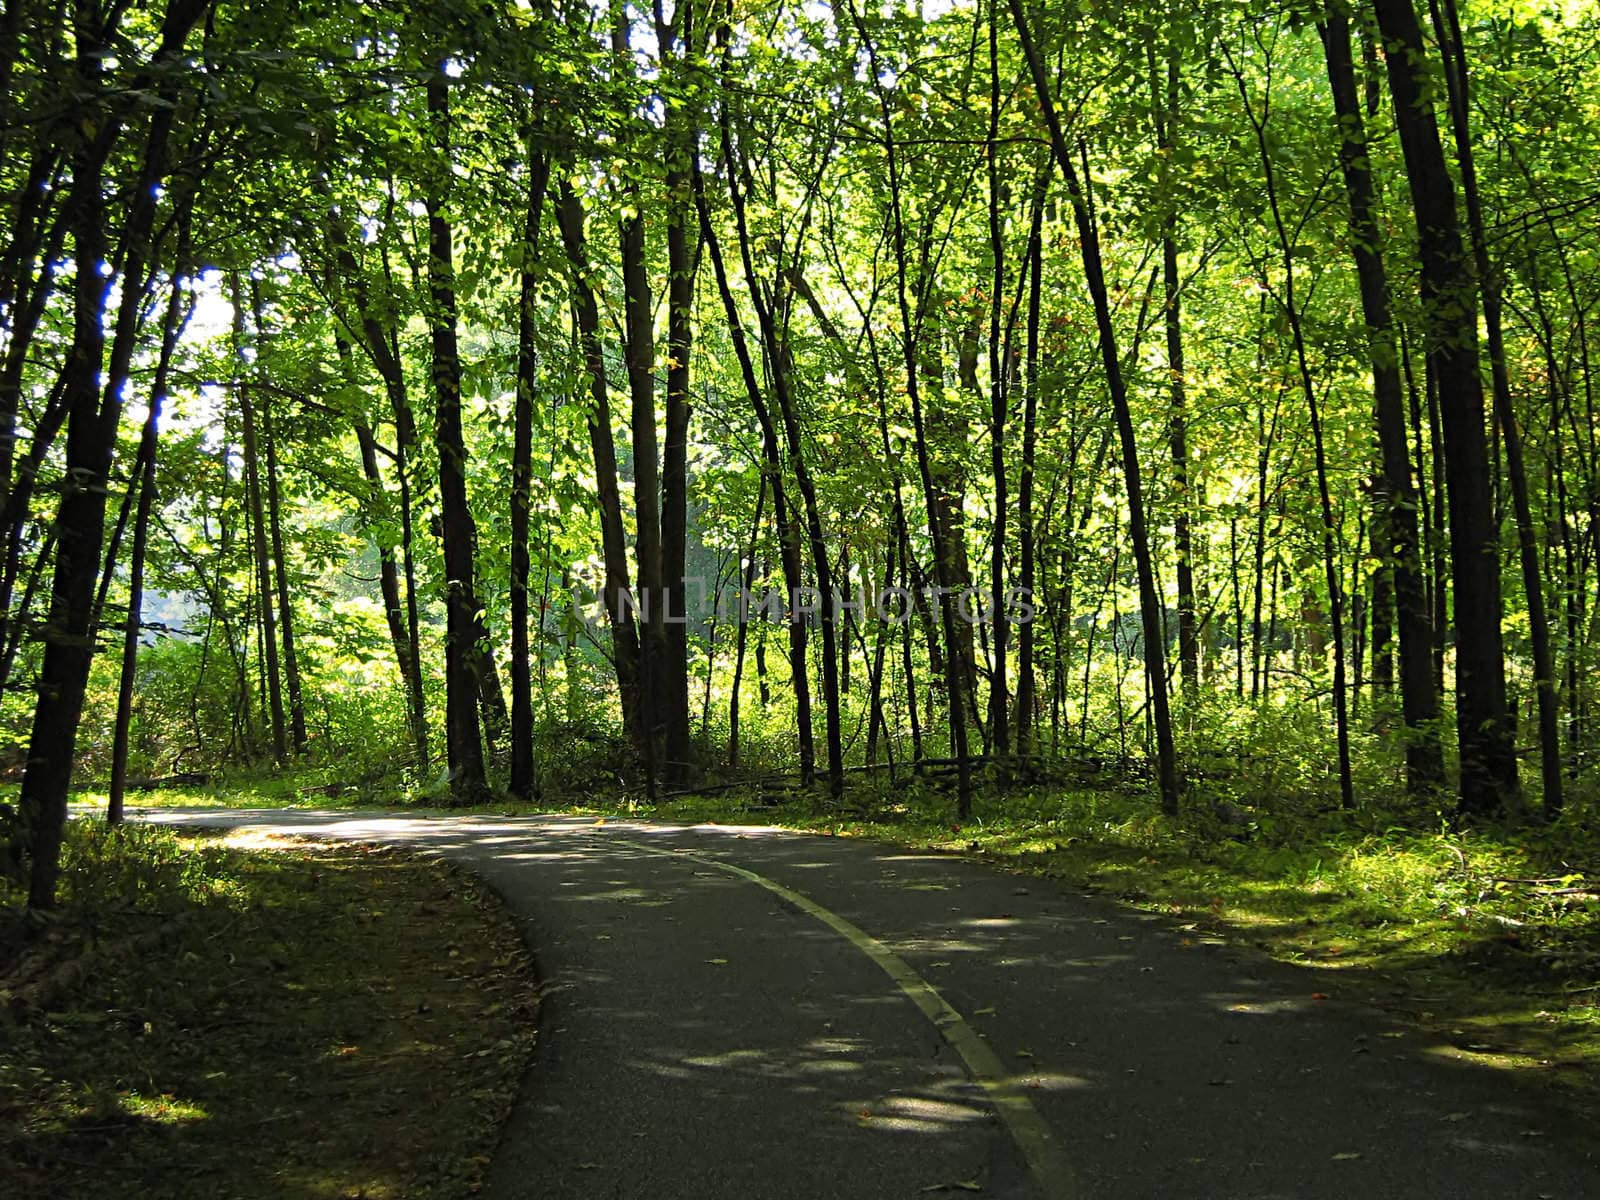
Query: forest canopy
496, 398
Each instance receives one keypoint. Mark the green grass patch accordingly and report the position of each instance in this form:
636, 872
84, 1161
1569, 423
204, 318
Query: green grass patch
257, 1017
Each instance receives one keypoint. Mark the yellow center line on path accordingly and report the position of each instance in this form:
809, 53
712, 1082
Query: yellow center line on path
1039, 1145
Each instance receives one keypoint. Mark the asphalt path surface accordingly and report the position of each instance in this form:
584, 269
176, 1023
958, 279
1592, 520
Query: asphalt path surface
747, 1014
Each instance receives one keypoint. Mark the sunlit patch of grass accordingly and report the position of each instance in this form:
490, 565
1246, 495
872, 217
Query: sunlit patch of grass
164, 1109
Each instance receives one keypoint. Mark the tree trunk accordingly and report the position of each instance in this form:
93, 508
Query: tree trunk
772, 468
145, 472
91, 437
266, 608
1330, 560
743, 636
382, 347
944, 563
999, 698
1150, 609
1165, 107
523, 782
821, 565
1449, 302
1448, 31
468, 782
639, 354
1027, 565
1395, 521
280, 562
586, 312
683, 261
388, 570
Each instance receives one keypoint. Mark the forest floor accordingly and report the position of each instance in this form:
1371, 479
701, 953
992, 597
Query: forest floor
258, 1017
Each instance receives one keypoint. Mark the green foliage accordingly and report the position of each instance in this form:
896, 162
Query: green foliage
308, 165
140, 868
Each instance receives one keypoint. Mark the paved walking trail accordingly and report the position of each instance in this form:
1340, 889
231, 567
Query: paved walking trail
746, 1014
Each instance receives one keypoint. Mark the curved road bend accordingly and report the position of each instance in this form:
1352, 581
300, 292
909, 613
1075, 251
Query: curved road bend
745, 1014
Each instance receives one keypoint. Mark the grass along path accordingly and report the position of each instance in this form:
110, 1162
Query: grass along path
259, 1017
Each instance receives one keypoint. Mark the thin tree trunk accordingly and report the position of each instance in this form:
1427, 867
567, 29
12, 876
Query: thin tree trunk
683, 260
586, 311
280, 562
788, 532
821, 565
944, 562
1026, 682
388, 569
145, 472
1089, 246
382, 347
746, 584
639, 355
468, 782
266, 610
877, 719
1165, 108
523, 782
31, 242
999, 698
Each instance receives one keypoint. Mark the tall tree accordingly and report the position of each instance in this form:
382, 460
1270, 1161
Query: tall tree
1150, 606
523, 783
1165, 101
1448, 32
1450, 306
468, 781
145, 480
266, 594
93, 412
1395, 522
